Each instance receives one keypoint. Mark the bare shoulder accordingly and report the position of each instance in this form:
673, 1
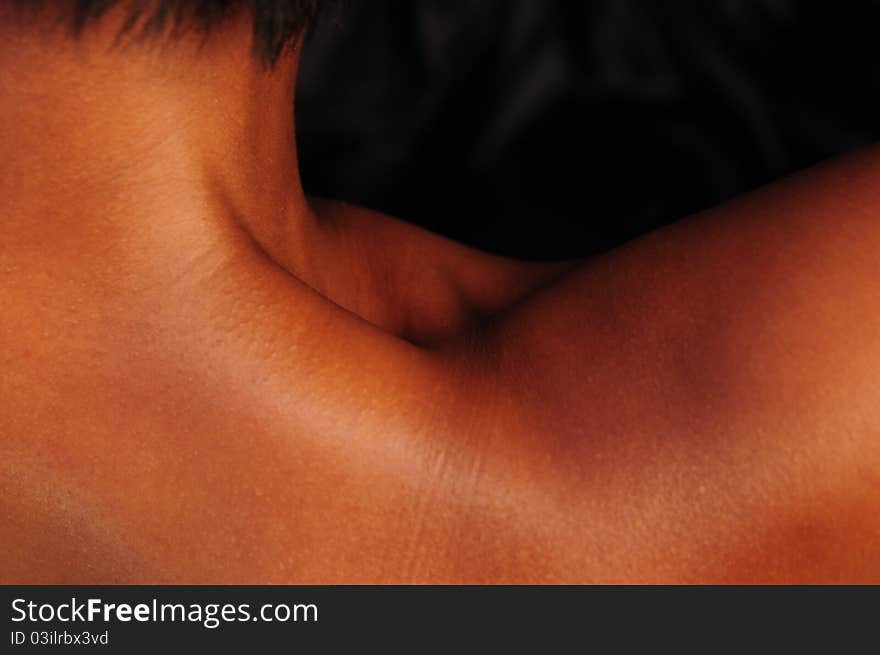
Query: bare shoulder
713, 387
780, 281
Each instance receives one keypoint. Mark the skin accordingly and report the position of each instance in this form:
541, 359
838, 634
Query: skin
209, 378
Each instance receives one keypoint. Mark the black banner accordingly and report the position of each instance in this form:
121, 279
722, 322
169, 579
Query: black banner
333, 619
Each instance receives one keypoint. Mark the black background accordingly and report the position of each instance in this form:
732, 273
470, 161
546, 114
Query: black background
547, 129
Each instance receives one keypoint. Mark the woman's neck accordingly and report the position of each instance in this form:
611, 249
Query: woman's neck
128, 157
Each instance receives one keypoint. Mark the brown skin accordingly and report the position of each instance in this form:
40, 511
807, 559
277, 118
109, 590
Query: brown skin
209, 379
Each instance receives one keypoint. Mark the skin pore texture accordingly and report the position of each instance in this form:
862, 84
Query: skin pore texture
209, 378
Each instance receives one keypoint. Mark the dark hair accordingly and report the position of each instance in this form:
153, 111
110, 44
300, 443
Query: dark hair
276, 22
